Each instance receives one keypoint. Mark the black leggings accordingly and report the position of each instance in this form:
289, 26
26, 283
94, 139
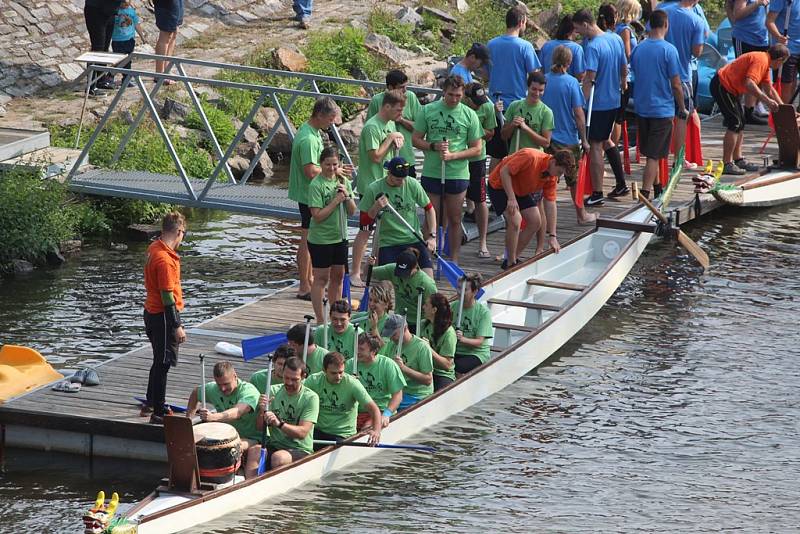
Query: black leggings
165, 355
100, 25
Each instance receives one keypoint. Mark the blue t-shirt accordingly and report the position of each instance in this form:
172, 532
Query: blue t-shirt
776, 6
753, 28
512, 59
605, 55
459, 70
686, 29
654, 62
618, 30
125, 22
562, 95
575, 68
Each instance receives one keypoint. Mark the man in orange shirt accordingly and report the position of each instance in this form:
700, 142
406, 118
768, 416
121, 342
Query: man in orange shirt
747, 74
517, 185
162, 319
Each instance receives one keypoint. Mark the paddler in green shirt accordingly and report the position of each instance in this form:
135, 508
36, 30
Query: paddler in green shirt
437, 330
381, 302
341, 333
279, 357
475, 328
396, 80
377, 144
235, 402
405, 196
382, 378
304, 166
296, 337
414, 358
448, 132
529, 122
291, 417
340, 396
407, 278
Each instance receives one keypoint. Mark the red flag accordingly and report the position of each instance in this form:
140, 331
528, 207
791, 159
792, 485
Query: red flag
663, 172
694, 150
584, 180
626, 156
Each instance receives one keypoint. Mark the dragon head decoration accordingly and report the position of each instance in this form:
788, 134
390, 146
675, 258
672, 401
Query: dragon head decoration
98, 519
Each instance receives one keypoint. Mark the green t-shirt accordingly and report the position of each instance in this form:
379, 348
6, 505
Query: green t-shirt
306, 148
343, 344
363, 320
475, 322
459, 125
444, 346
293, 408
417, 355
259, 380
314, 359
382, 379
245, 393
410, 112
372, 136
538, 117
405, 199
488, 120
333, 229
405, 289
338, 403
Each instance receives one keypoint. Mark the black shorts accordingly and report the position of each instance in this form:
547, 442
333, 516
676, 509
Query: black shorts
740, 47
323, 256
441, 382
466, 363
305, 215
730, 106
388, 254
623, 104
297, 454
168, 14
500, 200
602, 124
654, 137
496, 147
789, 71
433, 186
476, 191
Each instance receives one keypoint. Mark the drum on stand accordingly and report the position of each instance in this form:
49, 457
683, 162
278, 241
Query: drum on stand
219, 452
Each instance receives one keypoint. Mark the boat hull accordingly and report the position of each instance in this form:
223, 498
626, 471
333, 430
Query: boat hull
773, 189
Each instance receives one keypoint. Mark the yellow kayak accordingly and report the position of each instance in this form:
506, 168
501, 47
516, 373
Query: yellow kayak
23, 369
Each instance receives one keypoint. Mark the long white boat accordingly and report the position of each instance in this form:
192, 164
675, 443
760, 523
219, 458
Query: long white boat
771, 189
536, 308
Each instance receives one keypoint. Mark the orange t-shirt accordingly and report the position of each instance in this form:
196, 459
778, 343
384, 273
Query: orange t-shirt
527, 167
753, 65
162, 272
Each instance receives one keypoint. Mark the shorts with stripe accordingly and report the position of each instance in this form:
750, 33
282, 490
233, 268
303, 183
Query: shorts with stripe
729, 105
789, 70
476, 191
740, 47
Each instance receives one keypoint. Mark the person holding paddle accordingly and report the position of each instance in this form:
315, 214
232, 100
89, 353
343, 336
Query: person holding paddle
279, 357
406, 277
437, 329
381, 303
340, 336
296, 340
414, 358
382, 378
340, 396
330, 200
473, 326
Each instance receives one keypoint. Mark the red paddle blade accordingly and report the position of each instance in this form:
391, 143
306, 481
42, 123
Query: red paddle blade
626, 146
694, 149
663, 172
584, 179
638, 155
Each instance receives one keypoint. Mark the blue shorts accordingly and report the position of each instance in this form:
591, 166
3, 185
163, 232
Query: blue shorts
687, 98
169, 14
388, 254
408, 401
433, 186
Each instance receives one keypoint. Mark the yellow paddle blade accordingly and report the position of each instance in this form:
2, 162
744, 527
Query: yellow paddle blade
101, 498
112, 505
718, 173
709, 166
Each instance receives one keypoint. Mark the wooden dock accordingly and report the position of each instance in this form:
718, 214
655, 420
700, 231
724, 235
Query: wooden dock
104, 420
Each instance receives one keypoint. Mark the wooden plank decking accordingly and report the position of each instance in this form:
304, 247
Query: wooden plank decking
110, 410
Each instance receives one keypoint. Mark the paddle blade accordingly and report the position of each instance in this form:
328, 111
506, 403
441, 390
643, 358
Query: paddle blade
259, 346
446, 246
364, 304
262, 462
663, 172
694, 149
584, 178
638, 154
453, 273
346, 288
694, 249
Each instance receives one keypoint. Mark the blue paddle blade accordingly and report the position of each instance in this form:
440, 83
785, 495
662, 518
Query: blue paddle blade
364, 300
174, 407
346, 288
262, 462
446, 246
453, 273
259, 346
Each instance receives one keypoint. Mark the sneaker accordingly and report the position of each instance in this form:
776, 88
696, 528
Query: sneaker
156, 419
305, 23
745, 165
146, 411
689, 165
504, 265
732, 169
752, 118
595, 199
620, 191
657, 190
105, 83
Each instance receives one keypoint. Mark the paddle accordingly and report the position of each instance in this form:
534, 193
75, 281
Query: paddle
308, 319
174, 407
421, 448
203, 381
375, 252
693, 248
262, 461
355, 350
343, 228
584, 173
441, 237
451, 271
420, 292
258, 346
325, 323
462, 291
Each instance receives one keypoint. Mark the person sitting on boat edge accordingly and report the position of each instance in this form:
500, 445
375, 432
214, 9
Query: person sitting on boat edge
473, 327
279, 357
339, 336
437, 330
381, 302
295, 339
406, 277
414, 358
234, 400
381, 377
292, 414
340, 396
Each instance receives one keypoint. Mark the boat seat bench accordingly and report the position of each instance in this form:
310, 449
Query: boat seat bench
555, 285
507, 326
524, 304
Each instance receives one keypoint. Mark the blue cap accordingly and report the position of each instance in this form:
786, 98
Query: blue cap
397, 167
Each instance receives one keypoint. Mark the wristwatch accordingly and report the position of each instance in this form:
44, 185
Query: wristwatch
683, 115
280, 425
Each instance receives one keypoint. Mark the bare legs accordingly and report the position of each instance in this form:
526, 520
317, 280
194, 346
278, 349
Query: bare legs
482, 221
165, 46
304, 264
331, 277
732, 146
452, 220
359, 246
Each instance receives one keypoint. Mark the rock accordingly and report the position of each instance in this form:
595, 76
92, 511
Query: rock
250, 134
407, 15
384, 47
70, 246
291, 60
265, 119
438, 13
118, 246
21, 266
448, 32
263, 168
54, 257
462, 6
2, 111
174, 110
428, 35
548, 18
239, 166
350, 131
144, 232
425, 79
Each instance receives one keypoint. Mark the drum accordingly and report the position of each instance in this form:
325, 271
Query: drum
219, 452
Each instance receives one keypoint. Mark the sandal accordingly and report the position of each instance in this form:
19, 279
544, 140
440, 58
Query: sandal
67, 387
484, 254
356, 283
304, 296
